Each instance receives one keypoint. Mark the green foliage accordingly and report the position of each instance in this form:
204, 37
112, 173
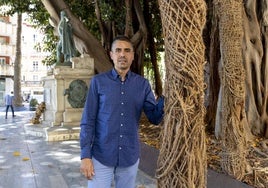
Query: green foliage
33, 102
19, 6
85, 11
156, 25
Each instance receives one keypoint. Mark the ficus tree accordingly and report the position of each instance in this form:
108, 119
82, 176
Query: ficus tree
254, 61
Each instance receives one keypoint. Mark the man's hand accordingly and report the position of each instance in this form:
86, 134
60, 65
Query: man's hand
87, 168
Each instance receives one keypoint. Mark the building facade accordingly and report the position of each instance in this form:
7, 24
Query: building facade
7, 51
32, 69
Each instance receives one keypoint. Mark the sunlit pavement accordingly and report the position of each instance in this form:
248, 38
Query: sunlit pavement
27, 160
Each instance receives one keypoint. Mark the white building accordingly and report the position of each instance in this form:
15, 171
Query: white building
7, 52
32, 69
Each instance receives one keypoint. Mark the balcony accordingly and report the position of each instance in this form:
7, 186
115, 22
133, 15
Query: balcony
32, 83
6, 71
6, 50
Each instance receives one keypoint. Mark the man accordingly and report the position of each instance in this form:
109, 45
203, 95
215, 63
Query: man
109, 135
9, 103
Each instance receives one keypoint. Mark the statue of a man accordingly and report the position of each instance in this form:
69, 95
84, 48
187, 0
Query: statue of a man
66, 47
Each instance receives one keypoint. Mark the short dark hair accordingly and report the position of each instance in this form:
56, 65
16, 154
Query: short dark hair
122, 38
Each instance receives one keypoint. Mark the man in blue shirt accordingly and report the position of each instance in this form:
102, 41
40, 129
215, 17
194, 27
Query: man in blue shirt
9, 103
109, 137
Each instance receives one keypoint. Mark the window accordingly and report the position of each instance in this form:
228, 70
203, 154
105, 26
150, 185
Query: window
34, 38
35, 78
3, 40
38, 92
35, 65
2, 61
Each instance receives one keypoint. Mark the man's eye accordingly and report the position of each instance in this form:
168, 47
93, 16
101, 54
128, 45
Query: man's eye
119, 50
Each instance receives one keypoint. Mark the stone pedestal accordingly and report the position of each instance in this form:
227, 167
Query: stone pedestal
60, 116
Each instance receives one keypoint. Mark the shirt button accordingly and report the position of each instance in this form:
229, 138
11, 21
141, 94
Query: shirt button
122, 114
122, 92
121, 125
121, 136
122, 103
120, 148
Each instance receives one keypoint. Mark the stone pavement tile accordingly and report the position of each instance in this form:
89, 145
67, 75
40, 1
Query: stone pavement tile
13, 170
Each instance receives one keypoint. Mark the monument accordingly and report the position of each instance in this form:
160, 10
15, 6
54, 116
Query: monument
66, 86
65, 94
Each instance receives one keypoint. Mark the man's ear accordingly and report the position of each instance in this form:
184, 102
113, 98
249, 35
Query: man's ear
111, 54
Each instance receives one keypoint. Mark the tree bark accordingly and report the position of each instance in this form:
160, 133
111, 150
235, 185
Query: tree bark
264, 30
139, 39
17, 64
253, 54
129, 21
232, 101
182, 159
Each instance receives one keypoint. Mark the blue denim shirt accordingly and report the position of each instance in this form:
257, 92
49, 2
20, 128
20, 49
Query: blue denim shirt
110, 120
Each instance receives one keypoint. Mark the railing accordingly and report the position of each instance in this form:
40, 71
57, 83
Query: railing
6, 50
7, 70
31, 83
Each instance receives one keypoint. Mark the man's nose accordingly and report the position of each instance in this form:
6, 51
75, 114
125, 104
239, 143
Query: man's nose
122, 53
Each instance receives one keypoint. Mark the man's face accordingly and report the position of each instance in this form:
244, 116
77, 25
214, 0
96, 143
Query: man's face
122, 55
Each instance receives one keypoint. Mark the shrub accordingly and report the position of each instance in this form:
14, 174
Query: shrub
33, 102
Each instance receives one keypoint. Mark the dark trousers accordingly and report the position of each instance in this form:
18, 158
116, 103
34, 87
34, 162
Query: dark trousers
12, 109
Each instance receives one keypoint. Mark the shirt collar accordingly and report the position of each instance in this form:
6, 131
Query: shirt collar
116, 75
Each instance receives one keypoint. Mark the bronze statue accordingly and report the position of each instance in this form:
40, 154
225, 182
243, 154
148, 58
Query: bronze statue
66, 47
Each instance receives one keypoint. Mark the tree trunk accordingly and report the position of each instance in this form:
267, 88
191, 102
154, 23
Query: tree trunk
232, 101
264, 29
182, 158
253, 51
139, 39
152, 49
17, 64
256, 70
129, 20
